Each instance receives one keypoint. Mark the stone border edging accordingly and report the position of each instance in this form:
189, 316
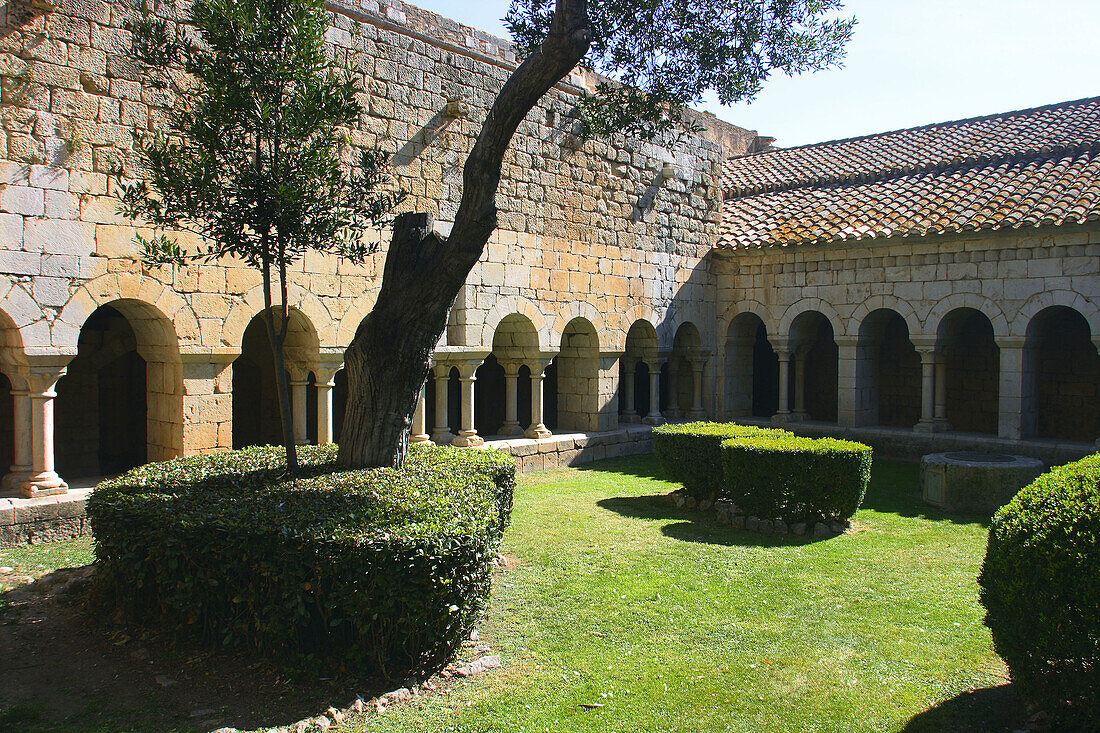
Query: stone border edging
728, 513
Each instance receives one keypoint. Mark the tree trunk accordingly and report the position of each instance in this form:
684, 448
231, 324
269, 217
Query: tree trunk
283, 388
389, 357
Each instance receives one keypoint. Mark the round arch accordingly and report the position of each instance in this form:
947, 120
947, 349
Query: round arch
796, 309
515, 305
1039, 302
943, 307
324, 326
885, 302
587, 311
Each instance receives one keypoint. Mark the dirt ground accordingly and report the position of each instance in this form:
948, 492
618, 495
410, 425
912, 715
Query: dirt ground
64, 669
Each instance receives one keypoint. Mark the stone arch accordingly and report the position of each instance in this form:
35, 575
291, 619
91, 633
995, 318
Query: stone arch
814, 377
985, 306
640, 354
578, 376
641, 312
120, 403
750, 364
1061, 376
670, 327
349, 323
888, 368
127, 287
299, 299
805, 305
678, 371
885, 302
968, 360
762, 312
1073, 300
25, 316
590, 313
515, 305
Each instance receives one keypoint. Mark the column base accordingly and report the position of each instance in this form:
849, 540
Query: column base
654, 419
784, 418
629, 417
443, 437
537, 432
420, 438
47, 483
510, 429
11, 482
932, 426
468, 439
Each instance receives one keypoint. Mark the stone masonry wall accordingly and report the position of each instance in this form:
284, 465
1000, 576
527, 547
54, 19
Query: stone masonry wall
608, 230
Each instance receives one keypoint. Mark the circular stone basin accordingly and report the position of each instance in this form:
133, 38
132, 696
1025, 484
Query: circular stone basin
969, 481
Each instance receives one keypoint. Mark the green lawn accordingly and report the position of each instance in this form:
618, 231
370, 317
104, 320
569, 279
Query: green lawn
672, 622
676, 623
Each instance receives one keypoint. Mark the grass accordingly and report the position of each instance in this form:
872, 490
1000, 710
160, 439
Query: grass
672, 622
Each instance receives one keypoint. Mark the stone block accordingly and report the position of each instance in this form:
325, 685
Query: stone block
59, 237
22, 200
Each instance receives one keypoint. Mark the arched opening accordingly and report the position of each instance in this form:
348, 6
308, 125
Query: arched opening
256, 419
339, 402
11, 356
1062, 373
971, 370
515, 345
888, 372
578, 378
678, 373
7, 425
120, 403
813, 376
639, 357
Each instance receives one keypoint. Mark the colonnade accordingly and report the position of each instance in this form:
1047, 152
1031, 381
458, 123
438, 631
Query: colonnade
695, 360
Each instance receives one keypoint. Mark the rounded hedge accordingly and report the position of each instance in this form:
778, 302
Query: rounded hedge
1040, 585
689, 453
796, 479
382, 571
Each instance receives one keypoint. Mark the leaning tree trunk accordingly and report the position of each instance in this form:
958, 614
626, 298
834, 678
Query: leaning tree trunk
387, 361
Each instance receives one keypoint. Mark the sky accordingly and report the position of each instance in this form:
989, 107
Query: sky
910, 62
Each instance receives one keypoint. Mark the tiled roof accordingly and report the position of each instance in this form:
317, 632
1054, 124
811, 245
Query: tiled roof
1034, 167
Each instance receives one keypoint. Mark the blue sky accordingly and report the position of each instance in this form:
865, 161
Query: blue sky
911, 62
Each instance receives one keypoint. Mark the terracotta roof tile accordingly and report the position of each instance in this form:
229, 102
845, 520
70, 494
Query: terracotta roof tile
1037, 167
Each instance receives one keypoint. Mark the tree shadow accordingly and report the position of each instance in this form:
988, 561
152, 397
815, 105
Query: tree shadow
988, 710
639, 466
696, 526
69, 669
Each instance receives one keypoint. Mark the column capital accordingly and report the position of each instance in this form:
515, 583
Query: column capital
511, 367
1010, 342
538, 366
923, 343
43, 373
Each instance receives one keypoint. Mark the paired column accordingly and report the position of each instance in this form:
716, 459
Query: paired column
627, 391
927, 389
537, 429
511, 424
783, 414
41, 384
654, 417
467, 436
299, 382
441, 432
419, 429
325, 383
940, 411
21, 467
697, 412
800, 412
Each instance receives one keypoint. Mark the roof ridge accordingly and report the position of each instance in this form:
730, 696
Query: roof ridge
983, 160
928, 126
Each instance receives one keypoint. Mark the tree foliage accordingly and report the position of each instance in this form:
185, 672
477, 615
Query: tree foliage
661, 55
252, 160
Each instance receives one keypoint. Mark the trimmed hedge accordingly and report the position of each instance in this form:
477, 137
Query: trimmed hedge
690, 454
1040, 585
796, 479
384, 571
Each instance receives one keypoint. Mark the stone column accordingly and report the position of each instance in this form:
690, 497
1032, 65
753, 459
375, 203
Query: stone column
537, 429
511, 424
298, 394
783, 414
41, 382
674, 410
627, 379
419, 429
697, 412
1013, 388
324, 384
441, 433
800, 385
22, 466
467, 436
927, 389
654, 417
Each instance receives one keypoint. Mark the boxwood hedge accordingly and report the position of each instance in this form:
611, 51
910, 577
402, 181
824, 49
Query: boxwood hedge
689, 453
382, 571
796, 479
1040, 585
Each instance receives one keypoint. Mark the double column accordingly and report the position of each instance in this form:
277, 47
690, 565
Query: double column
933, 372
783, 352
33, 471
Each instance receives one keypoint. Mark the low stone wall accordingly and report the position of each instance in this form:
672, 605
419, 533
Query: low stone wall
30, 521
571, 449
900, 444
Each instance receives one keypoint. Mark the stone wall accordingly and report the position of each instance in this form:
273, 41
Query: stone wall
609, 231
